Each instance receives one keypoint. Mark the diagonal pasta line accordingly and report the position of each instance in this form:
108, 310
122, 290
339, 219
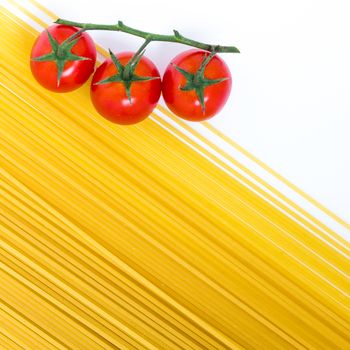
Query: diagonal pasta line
277, 175
264, 183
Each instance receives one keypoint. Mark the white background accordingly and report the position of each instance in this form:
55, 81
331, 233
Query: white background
290, 104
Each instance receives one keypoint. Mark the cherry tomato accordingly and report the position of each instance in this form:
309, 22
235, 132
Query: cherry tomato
111, 99
181, 93
59, 64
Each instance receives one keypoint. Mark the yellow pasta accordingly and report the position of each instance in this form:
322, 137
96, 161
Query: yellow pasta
225, 155
128, 237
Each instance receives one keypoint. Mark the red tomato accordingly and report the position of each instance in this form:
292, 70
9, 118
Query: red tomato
186, 104
77, 62
111, 100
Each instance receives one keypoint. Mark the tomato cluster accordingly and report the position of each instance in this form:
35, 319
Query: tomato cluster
126, 87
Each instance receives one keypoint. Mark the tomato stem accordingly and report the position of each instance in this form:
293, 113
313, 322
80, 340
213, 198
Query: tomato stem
205, 63
131, 65
176, 37
197, 81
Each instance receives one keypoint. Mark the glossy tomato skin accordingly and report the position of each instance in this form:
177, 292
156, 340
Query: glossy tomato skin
110, 99
186, 104
75, 73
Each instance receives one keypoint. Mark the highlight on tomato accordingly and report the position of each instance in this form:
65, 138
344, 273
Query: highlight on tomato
196, 85
63, 58
126, 88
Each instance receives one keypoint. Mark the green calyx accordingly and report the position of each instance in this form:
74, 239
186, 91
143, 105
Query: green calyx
61, 53
125, 74
197, 81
